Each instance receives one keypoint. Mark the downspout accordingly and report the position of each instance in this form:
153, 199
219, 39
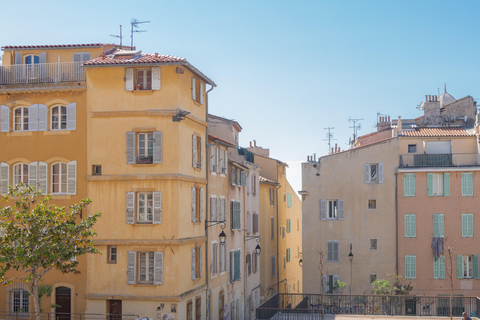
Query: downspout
396, 223
278, 239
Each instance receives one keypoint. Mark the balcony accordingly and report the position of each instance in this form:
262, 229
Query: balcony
439, 160
42, 73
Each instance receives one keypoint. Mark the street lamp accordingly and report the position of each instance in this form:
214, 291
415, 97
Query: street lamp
350, 258
222, 234
300, 262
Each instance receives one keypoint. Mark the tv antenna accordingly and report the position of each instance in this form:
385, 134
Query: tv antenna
355, 128
329, 138
134, 22
120, 36
379, 114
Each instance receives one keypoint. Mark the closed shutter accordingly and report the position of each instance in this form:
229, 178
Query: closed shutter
464, 225
367, 173
214, 258
335, 252
470, 224
157, 147
194, 151
446, 184
380, 173
232, 267
33, 117
323, 209
438, 225
459, 267
4, 118
330, 251
272, 264
157, 207
72, 177
129, 79
439, 268
200, 252
409, 184
4, 174
237, 265
42, 117
130, 147
429, 184
249, 222
158, 263
467, 184
132, 263
194, 195
243, 178
201, 204
341, 211
289, 200
410, 225
194, 96
222, 258
156, 78
475, 266
237, 216
193, 263
42, 57
72, 116
201, 92
201, 153
42, 176
18, 58
211, 157
217, 209
32, 174
255, 223
212, 213
130, 204
410, 267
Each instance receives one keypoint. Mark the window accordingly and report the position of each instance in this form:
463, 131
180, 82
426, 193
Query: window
289, 200
439, 268
214, 258
144, 79
272, 228
235, 214
412, 148
221, 305
272, 196
332, 209
197, 152
438, 225
97, 169
81, 56
148, 207
329, 283
198, 308
410, 225
272, 266
467, 225
235, 265
223, 258
373, 244
409, 184
410, 267
372, 204
190, 310
332, 251
373, 277
289, 225
373, 173
467, 184
197, 257
467, 266
144, 147
255, 222
197, 204
18, 297
20, 173
59, 118
112, 254
248, 261
197, 90
64, 178
150, 268
20, 119
289, 254
254, 260
438, 184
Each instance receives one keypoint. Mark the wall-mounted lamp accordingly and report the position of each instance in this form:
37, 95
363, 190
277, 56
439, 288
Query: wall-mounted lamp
222, 234
300, 262
258, 249
180, 116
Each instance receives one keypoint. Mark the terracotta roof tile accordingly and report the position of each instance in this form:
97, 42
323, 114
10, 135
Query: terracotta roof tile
436, 132
58, 46
142, 58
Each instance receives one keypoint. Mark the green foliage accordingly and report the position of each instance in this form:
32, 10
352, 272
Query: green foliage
395, 286
339, 286
44, 290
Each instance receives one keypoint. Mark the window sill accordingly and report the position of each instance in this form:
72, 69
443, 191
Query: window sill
61, 196
197, 103
143, 91
144, 164
213, 173
145, 224
56, 132
19, 133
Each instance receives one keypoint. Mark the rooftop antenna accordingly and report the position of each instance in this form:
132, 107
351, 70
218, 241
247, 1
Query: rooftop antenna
355, 128
134, 22
329, 137
120, 36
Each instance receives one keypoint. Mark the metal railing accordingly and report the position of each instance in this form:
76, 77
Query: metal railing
6, 315
296, 306
439, 160
42, 73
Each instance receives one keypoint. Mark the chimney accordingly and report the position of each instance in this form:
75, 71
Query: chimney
399, 125
332, 150
388, 118
336, 148
254, 143
314, 157
426, 97
250, 144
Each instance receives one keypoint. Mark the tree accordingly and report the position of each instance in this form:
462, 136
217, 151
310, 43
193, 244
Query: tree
38, 237
394, 285
322, 285
449, 245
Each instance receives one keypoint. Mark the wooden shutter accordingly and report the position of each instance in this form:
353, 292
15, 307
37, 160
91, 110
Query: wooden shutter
238, 215
380, 173
335, 252
157, 207
441, 225
18, 58
470, 224
194, 97
158, 268
156, 78
42, 117
32, 174
130, 207
323, 209
132, 264
464, 225
272, 265
459, 267
200, 258
42, 57
475, 266
201, 153
201, 92
446, 184
232, 267
194, 151
130, 147
249, 222
4, 174
429, 184
341, 211
237, 265
221, 254
42, 176
367, 173
157, 147
217, 209
193, 264
4, 118
71, 116
211, 157
129, 79
201, 204
212, 213
194, 195
72, 177
214, 258
243, 178
33, 117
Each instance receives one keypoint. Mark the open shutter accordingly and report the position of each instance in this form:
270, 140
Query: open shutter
217, 209
193, 203
4, 173
459, 267
42, 117
237, 265
323, 209
42, 176
130, 207
158, 263
429, 184
157, 147
132, 264
130, 147
33, 117
129, 79
42, 57
72, 116
446, 184
201, 153
243, 178
193, 263
201, 92
200, 252
156, 78
367, 173
211, 157
341, 212
18, 57
72, 177
194, 151
325, 284
441, 225
335, 280
232, 267
380, 173
475, 266
157, 207
32, 174
4, 118
194, 97
201, 204
212, 214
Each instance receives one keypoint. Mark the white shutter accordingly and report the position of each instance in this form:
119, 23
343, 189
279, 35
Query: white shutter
325, 284
224, 209
335, 280
217, 206
201, 204
201, 92
194, 97
42, 117
33, 117
335, 252
249, 222
323, 209
129, 79
367, 173
4, 118
193, 203
211, 157
157, 207
42, 57
71, 116
158, 267
130, 147
212, 215
156, 78
157, 147
225, 161
72, 177
4, 173
200, 252
42, 176
341, 211
132, 264
201, 153
130, 207
194, 151
18, 58
193, 263
32, 175
380, 173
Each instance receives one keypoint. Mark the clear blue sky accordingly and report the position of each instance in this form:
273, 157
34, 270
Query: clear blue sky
286, 70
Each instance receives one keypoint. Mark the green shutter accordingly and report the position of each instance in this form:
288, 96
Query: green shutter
467, 184
410, 226
237, 265
475, 266
446, 184
441, 225
438, 225
232, 267
470, 225
467, 225
410, 267
289, 203
435, 225
429, 184
459, 267
409, 184
439, 268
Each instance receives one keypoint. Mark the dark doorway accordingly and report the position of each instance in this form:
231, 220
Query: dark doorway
63, 299
114, 309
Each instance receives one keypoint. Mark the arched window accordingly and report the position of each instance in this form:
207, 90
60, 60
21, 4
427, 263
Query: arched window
31, 59
20, 119
59, 177
18, 298
20, 173
58, 118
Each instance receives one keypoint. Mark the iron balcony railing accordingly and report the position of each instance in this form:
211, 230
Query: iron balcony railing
297, 306
42, 73
439, 160
20, 315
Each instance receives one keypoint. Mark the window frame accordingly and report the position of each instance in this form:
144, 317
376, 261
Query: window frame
61, 115
60, 174
148, 267
332, 204
145, 85
148, 141
468, 271
23, 176
372, 204
112, 256
373, 244
138, 217
23, 119
19, 289
411, 145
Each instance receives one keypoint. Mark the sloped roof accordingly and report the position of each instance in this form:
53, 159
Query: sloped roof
436, 132
52, 46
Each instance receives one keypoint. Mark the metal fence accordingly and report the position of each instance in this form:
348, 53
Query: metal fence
5, 315
42, 73
296, 306
438, 160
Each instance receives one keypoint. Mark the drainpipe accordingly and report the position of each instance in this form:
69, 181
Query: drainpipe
396, 222
278, 238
